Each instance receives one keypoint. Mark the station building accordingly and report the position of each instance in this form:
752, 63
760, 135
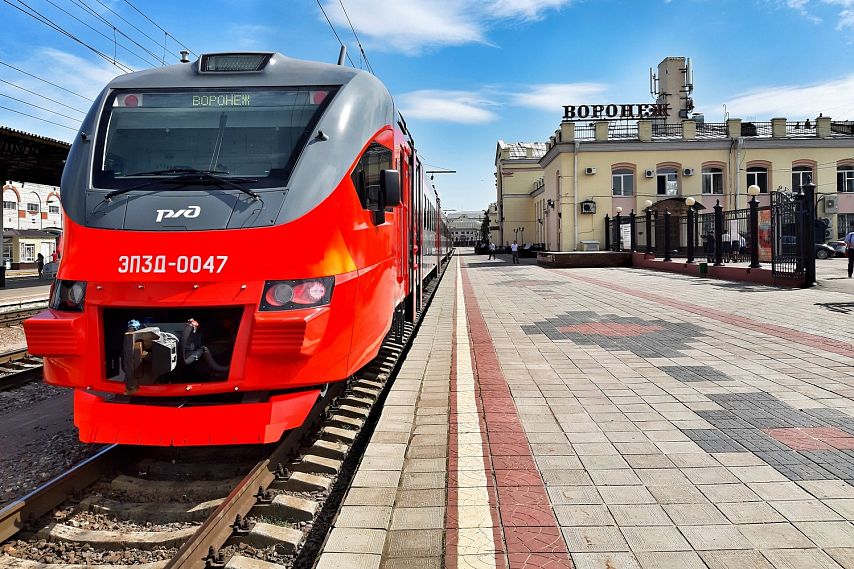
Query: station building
590, 168
465, 227
32, 222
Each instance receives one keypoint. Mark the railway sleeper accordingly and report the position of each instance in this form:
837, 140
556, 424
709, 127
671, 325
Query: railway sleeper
357, 401
336, 434
303, 482
264, 535
150, 468
287, 508
351, 411
9, 562
345, 422
243, 562
156, 490
329, 449
369, 384
157, 513
314, 464
116, 540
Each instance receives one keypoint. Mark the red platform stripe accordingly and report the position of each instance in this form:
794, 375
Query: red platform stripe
527, 518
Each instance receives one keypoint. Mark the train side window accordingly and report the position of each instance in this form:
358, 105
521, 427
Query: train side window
366, 178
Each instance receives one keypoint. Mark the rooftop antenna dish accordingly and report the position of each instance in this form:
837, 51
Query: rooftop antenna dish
653, 84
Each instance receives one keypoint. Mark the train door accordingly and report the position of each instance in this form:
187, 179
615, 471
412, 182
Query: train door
405, 206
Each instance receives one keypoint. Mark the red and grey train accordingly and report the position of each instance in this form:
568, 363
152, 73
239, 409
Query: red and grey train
240, 231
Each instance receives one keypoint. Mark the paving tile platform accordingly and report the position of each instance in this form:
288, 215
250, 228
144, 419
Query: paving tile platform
611, 419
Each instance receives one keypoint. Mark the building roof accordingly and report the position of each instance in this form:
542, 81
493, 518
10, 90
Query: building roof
520, 149
476, 214
29, 233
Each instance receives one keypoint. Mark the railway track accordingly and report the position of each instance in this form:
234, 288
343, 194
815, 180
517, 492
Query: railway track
17, 367
14, 314
236, 507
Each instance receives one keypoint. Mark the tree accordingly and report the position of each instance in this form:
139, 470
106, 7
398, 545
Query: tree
484, 227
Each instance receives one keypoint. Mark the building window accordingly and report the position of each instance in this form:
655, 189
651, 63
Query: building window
844, 224
28, 252
845, 178
7, 251
713, 180
758, 176
801, 176
667, 181
32, 207
53, 208
10, 205
622, 182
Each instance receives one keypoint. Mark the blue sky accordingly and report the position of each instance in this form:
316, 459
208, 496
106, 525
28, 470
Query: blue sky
467, 72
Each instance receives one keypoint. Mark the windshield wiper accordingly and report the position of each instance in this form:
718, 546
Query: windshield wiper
185, 177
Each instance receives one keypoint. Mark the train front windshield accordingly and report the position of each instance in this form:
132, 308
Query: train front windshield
256, 135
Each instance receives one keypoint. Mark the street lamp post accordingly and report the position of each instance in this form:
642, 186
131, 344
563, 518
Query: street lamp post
753, 191
690, 203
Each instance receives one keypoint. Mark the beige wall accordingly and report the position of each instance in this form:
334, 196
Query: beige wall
559, 172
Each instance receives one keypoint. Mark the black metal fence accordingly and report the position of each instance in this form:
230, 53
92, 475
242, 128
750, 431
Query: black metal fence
777, 234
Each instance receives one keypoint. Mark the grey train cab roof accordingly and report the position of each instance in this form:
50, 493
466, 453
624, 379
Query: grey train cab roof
361, 107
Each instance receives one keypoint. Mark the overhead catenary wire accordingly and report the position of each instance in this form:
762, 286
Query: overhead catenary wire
38, 106
38, 16
43, 96
37, 118
105, 36
328, 21
116, 30
84, 97
140, 12
358, 42
134, 26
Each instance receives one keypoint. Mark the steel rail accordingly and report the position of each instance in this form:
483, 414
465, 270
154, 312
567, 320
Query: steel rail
55, 491
16, 377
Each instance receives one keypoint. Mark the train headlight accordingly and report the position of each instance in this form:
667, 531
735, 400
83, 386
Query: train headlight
294, 294
68, 296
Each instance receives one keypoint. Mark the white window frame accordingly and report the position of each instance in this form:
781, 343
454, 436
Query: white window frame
847, 173
669, 174
800, 171
25, 258
30, 207
621, 174
752, 178
712, 180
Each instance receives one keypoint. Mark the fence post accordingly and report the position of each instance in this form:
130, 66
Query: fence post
719, 234
667, 235
690, 234
754, 233
618, 231
607, 233
808, 232
632, 245
649, 230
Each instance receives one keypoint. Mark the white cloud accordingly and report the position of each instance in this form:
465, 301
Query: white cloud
448, 106
249, 35
552, 96
411, 26
834, 99
83, 76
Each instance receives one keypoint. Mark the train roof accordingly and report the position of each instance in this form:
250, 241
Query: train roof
277, 70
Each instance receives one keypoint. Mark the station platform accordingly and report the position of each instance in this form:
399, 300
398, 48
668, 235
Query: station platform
611, 419
24, 286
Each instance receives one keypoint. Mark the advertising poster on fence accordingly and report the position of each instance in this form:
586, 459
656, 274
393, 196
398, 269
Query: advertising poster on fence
765, 236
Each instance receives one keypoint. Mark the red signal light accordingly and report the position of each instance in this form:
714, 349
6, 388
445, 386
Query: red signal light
131, 101
318, 97
310, 292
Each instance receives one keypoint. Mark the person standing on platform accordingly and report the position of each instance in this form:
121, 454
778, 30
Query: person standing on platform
849, 249
491, 251
514, 248
40, 265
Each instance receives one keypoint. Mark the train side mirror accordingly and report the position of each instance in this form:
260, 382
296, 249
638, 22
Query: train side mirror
390, 187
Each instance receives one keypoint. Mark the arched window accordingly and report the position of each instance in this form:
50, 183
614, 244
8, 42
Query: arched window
622, 182
845, 178
713, 180
758, 176
801, 176
667, 181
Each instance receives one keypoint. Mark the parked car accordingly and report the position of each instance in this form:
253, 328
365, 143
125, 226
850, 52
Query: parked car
838, 246
823, 251
790, 247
